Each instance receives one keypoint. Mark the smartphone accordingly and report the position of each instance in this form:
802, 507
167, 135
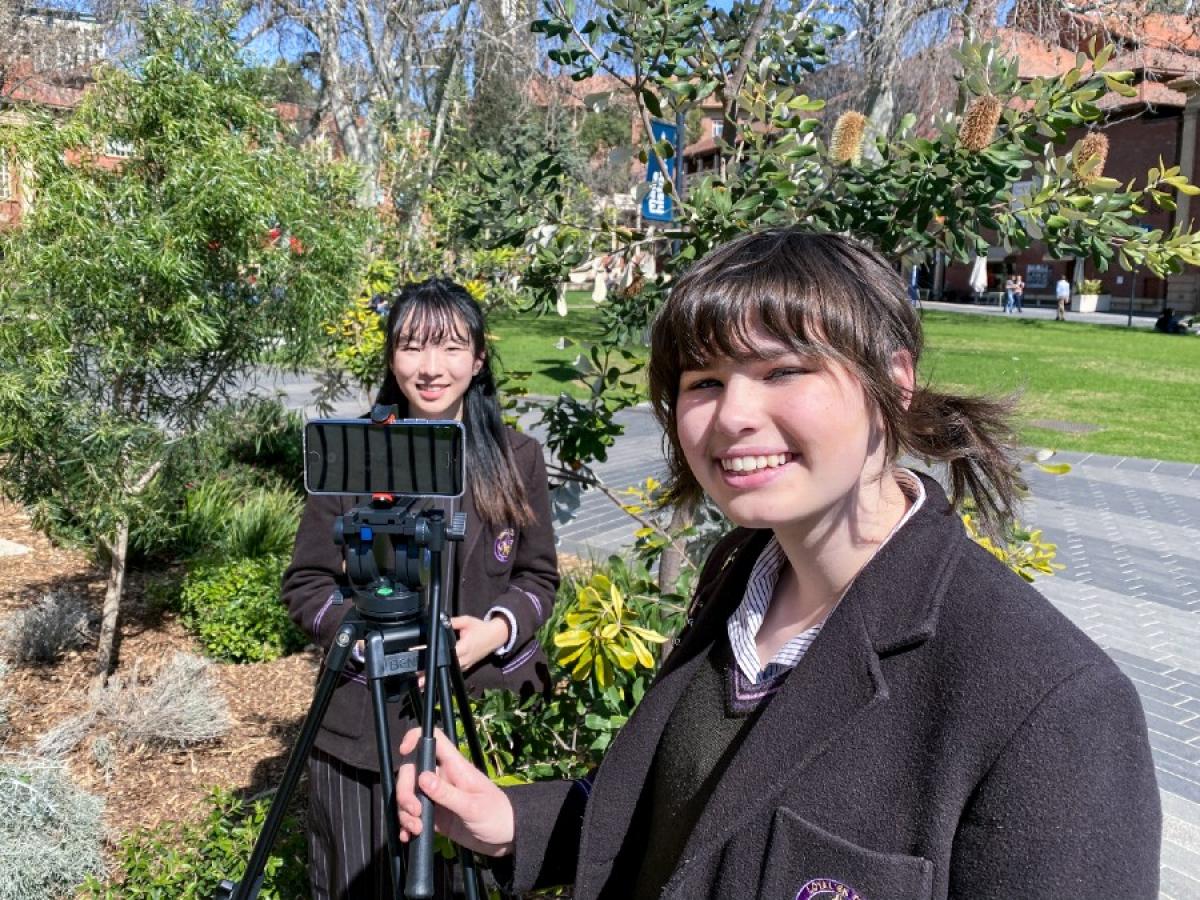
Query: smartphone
412, 457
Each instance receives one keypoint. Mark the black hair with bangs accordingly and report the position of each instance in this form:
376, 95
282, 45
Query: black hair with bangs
433, 311
832, 297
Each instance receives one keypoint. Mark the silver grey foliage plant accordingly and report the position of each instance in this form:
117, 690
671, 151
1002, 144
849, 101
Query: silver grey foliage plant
51, 831
59, 621
181, 706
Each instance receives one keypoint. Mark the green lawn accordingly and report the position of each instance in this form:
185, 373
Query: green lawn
1139, 389
526, 342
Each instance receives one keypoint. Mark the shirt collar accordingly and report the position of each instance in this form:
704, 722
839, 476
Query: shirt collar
742, 627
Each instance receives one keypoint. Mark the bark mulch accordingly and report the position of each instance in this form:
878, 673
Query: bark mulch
144, 786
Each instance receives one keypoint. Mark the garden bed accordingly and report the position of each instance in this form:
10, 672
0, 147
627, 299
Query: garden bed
145, 787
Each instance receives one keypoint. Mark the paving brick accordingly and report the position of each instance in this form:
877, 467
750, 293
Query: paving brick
1178, 885
1180, 750
1183, 787
1182, 731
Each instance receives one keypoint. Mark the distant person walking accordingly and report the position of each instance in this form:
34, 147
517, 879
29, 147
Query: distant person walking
1019, 293
1010, 293
1062, 293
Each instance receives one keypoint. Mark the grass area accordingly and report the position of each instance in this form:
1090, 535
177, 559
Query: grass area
526, 342
1140, 389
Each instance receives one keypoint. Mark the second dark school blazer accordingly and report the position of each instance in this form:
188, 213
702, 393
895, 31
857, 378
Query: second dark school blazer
507, 566
949, 734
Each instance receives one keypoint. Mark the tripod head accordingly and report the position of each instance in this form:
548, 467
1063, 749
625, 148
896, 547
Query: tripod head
389, 546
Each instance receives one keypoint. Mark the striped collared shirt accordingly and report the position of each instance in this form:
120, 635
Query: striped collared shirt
746, 620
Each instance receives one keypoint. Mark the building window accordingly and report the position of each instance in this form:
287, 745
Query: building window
718, 128
119, 148
6, 191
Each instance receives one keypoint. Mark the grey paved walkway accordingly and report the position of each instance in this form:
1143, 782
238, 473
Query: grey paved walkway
1128, 531
1045, 312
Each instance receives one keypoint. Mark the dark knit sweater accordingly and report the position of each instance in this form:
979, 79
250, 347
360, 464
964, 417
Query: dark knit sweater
701, 737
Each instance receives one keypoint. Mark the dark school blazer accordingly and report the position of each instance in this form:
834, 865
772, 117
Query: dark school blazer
511, 567
949, 734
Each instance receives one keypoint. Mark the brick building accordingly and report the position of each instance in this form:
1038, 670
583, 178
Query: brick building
49, 57
1160, 121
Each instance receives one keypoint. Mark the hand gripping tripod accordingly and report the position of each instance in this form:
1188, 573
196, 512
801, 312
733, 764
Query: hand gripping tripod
387, 616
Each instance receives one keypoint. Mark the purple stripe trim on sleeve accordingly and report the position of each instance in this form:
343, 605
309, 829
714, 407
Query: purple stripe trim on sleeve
585, 785
321, 614
523, 657
537, 605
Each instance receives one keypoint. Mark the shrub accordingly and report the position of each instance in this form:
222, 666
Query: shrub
181, 705
234, 609
65, 736
188, 862
50, 831
5, 703
566, 734
262, 433
1091, 286
41, 634
226, 516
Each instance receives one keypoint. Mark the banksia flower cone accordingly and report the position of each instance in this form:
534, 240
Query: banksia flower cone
845, 145
1093, 147
979, 124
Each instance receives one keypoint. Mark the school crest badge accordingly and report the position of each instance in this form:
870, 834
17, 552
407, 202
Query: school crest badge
828, 889
503, 547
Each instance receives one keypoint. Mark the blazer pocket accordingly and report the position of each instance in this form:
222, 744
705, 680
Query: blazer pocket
805, 862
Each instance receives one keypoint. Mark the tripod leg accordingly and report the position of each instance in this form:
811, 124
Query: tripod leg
387, 774
469, 731
251, 882
449, 664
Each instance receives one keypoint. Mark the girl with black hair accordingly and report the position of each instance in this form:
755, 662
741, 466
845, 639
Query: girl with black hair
503, 576
865, 704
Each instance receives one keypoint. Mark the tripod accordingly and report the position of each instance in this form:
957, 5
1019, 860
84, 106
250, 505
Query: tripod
387, 617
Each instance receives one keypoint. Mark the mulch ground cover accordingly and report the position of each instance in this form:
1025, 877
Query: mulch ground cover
141, 785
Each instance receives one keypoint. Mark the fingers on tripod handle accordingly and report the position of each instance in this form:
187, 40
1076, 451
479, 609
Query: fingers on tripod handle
420, 858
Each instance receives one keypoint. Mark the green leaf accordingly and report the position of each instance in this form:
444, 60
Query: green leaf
651, 101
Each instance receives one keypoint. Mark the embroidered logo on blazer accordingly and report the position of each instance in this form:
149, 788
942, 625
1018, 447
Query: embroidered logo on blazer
503, 547
828, 889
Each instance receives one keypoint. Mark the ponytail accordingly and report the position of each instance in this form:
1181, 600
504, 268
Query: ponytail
974, 438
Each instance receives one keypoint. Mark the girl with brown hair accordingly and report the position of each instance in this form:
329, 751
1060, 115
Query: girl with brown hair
864, 703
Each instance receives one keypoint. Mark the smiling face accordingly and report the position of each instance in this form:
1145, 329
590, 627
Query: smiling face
780, 439
434, 368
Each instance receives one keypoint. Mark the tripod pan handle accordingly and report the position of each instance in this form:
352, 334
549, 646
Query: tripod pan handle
420, 854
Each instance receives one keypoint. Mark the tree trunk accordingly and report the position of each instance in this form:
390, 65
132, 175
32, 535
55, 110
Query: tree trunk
671, 562
115, 589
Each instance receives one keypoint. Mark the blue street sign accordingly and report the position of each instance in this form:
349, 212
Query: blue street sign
656, 205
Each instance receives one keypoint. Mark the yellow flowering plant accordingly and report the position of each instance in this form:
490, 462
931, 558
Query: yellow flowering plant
600, 634
1023, 549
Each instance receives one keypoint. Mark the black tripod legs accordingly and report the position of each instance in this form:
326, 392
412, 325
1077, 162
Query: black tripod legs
376, 658
251, 883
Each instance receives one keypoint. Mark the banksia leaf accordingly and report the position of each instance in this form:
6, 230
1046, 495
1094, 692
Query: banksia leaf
845, 145
979, 124
1090, 154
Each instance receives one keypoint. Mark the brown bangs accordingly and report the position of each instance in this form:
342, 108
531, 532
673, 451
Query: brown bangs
818, 294
728, 320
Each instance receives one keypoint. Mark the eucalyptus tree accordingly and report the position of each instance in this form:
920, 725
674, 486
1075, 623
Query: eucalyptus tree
136, 294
